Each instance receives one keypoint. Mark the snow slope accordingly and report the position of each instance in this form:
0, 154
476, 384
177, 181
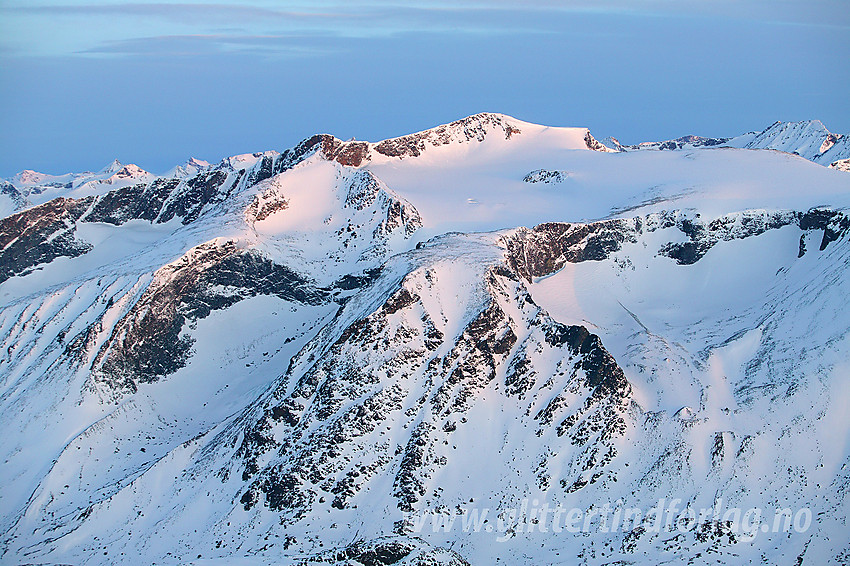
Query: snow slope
297, 357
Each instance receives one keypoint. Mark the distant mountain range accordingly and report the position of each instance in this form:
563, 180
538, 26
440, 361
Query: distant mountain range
809, 139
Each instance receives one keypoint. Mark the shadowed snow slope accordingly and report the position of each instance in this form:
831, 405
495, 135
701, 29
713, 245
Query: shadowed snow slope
309, 356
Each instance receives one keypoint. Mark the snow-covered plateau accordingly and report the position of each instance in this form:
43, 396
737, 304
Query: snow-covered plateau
491, 342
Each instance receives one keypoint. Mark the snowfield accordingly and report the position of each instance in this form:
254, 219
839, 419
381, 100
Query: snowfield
434, 349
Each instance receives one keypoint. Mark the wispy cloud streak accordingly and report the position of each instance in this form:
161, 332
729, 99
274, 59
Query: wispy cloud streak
211, 44
169, 11
132, 28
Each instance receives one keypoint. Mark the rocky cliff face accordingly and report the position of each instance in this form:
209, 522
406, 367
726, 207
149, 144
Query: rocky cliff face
322, 440
40, 235
470, 129
148, 344
545, 249
12, 199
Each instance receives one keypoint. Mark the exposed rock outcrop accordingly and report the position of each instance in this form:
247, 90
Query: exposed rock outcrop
147, 344
548, 247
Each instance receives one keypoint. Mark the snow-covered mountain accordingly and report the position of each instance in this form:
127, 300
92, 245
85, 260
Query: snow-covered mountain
192, 167
35, 188
414, 351
684, 142
808, 139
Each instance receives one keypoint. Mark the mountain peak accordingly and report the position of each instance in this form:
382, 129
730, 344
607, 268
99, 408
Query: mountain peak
809, 139
244, 160
28, 177
130, 170
191, 167
800, 124
197, 162
476, 127
113, 167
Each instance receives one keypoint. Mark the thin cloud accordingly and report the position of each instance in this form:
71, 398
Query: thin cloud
212, 44
186, 28
830, 13
176, 12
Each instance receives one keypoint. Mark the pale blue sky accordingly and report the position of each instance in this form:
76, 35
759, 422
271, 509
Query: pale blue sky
156, 82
